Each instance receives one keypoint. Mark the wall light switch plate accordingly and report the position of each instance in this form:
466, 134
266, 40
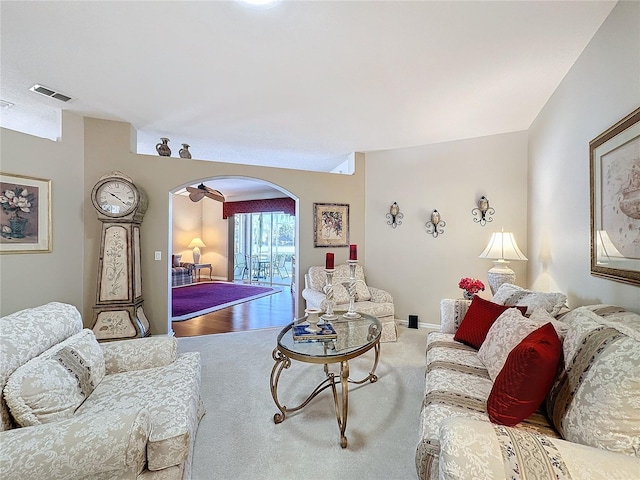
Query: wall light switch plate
158, 256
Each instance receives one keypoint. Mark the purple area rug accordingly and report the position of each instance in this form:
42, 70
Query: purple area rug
206, 297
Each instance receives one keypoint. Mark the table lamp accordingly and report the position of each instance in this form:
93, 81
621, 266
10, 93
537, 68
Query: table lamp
196, 243
502, 247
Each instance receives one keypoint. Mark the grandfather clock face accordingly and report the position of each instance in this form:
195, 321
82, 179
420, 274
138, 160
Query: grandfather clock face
118, 311
116, 197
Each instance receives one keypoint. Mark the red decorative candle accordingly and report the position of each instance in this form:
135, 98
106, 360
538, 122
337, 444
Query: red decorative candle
328, 264
353, 252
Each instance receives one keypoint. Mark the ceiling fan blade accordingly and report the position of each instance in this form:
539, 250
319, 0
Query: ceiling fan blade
196, 196
215, 195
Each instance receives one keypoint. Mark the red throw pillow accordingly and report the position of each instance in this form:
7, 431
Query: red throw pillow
527, 376
478, 320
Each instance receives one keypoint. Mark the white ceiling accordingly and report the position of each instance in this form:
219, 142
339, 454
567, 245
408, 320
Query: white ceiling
299, 85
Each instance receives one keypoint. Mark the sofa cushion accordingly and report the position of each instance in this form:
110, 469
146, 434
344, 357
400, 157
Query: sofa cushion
507, 332
170, 393
527, 375
457, 385
53, 385
513, 295
362, 293
26, 334
318, 280
175, 260
340, 293
477, 321
591, 402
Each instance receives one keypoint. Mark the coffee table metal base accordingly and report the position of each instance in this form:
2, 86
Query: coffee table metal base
341, 401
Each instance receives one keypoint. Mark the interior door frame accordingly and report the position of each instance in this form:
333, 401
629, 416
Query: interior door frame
295, 274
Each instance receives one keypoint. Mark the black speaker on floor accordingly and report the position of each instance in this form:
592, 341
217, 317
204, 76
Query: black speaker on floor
413, 321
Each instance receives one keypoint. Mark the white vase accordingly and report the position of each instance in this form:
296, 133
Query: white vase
312, 320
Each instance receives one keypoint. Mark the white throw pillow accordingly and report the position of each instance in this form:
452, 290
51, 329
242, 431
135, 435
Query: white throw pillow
507, 332
51, 386
362, 291
513, 295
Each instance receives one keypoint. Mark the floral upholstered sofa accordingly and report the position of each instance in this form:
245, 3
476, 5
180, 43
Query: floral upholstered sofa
553, 394
73, 408
369, 300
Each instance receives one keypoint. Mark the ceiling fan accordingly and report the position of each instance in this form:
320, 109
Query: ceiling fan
197, 194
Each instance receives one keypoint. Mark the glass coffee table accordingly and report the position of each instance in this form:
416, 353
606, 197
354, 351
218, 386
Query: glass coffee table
354, 337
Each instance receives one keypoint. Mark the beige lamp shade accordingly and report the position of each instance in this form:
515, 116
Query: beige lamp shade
196, 243
502, 247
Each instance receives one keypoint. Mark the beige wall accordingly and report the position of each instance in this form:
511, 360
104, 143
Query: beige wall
28, 280
202, 219
417, 269
214, 236
602, 87
107, 148
186, 223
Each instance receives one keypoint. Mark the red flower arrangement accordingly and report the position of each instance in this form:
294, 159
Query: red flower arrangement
471, 286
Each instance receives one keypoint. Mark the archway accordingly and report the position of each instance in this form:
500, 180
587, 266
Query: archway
204, 220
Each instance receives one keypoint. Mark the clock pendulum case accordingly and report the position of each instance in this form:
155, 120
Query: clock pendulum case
118, 312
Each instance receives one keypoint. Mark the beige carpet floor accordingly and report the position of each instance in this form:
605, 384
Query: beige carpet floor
238, 439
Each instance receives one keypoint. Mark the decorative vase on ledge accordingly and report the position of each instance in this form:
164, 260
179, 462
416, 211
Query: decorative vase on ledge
467, 295
184, 151
163, 148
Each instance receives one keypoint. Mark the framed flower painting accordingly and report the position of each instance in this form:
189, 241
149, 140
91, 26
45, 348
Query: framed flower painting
615, 201
330, 225
25, 215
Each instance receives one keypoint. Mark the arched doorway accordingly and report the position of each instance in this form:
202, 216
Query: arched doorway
268, 236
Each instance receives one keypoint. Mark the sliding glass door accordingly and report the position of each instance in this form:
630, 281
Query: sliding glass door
264, 246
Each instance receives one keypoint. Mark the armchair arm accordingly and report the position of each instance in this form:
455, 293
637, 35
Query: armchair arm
111, 445
139, 353
314, 298
474, 449
452, 311
380, 296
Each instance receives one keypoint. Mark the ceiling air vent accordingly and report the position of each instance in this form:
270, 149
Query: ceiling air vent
48, 92
5, 104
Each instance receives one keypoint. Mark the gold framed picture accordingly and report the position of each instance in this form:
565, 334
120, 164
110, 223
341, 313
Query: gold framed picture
331, 225
25, 215
615, 201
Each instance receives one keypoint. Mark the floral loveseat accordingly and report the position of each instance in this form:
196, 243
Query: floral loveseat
73, 408
370, 300
480, 415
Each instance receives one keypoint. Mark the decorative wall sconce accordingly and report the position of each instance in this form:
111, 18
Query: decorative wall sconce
436, 225
482, 212
394, 215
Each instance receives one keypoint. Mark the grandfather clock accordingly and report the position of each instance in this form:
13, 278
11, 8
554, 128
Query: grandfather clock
118, 312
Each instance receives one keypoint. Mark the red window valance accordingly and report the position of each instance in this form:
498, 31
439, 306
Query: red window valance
285, 204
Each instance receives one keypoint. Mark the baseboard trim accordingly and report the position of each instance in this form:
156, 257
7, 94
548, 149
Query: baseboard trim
431, 326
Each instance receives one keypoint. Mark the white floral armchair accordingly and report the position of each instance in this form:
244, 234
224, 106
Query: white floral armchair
370, 300
74, 408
